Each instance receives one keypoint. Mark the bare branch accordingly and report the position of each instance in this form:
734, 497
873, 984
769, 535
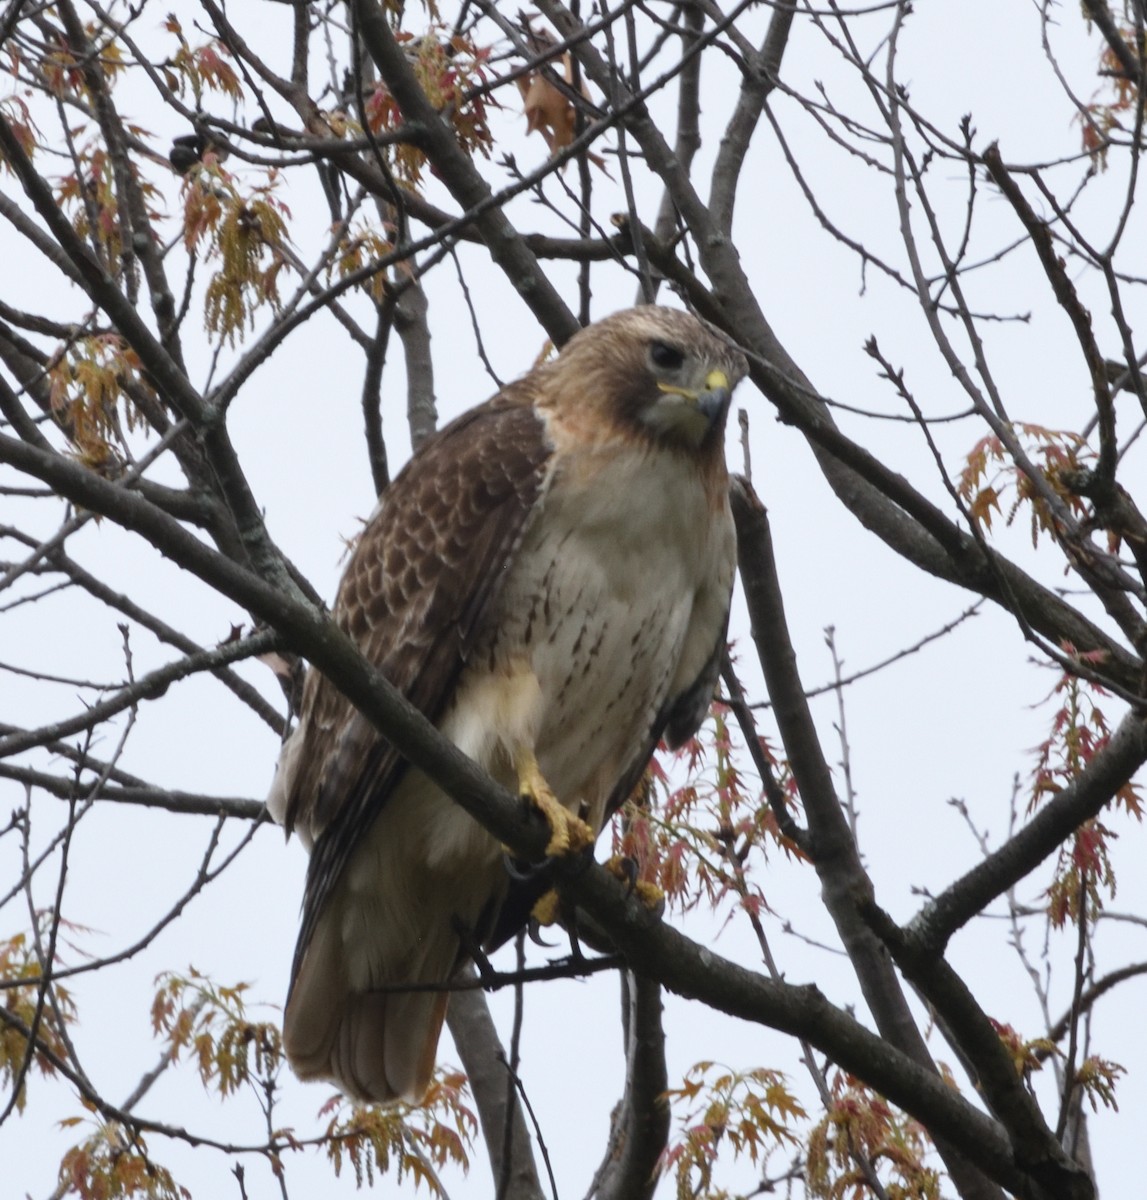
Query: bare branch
484, 1059
641, 1119
150, 686
1077, 802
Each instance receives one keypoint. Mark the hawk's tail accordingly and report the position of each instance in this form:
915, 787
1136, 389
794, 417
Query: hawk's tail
377, 1046
421, 872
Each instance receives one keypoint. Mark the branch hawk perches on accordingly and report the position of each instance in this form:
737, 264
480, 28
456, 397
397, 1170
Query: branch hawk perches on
548, 580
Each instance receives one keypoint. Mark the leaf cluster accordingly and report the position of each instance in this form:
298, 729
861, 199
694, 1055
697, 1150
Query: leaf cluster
860, 1129
247, 236
93, 383
990, 472
1079, 731
1114, 105
453, 74
193, 1014
694, 839
410, 1140
113, 1164
200, 69
752, 1113
23, 998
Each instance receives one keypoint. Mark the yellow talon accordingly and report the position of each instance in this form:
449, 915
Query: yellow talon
569, 833
648, 893
545, 911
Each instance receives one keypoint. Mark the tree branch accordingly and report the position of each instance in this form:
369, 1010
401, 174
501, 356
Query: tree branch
1100, 12
484, 1060
154, 684
640, 1127
697, 973
1057, 819
189, 803
760, 77
845, 885
503, 241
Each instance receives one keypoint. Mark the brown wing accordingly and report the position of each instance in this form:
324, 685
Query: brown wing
420, 578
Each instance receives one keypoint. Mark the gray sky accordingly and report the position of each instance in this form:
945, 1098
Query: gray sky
953, 721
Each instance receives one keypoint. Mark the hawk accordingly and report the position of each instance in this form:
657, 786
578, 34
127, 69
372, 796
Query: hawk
548, 581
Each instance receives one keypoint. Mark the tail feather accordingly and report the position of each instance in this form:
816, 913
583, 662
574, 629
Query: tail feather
413, 1025
423, 869
384, 1047
377, 1046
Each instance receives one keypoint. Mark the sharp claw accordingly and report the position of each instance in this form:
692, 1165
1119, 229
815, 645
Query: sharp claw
519, 871
534, 932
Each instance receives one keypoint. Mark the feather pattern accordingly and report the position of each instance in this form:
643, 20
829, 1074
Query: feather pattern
420, 573
549, 575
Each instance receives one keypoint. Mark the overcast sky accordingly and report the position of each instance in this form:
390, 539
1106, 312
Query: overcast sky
956, 720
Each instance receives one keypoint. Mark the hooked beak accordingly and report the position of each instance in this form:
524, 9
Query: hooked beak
694, 411
713, 401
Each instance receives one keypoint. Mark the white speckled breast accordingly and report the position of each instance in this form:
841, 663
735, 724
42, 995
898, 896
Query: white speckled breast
605, 614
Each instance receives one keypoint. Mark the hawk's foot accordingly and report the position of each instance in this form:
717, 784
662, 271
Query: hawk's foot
547, 908
626, 870
569, 834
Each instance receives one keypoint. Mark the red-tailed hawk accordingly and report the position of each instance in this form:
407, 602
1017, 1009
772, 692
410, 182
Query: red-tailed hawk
548, 580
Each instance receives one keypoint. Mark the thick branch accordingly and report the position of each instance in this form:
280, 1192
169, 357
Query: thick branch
484, 1060
640, 1128
1037, 1148
845, 885
759, 80
697, 973
1100, 12
412, 326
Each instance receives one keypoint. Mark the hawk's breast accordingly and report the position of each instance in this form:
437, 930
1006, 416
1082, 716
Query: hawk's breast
613, 603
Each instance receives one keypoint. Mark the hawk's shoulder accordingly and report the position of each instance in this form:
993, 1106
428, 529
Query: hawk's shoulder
420, 575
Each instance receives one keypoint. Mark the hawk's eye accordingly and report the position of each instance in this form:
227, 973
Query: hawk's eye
667, 357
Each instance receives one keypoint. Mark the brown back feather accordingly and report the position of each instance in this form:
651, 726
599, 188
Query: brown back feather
422, 574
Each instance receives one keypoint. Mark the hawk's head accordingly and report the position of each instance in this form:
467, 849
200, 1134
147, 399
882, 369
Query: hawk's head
655, 372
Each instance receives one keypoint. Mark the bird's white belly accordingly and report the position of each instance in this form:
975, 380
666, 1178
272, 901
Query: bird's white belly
603, 676
604, 614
